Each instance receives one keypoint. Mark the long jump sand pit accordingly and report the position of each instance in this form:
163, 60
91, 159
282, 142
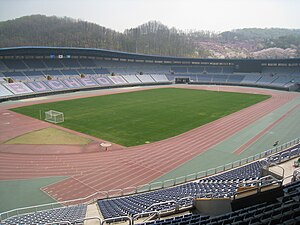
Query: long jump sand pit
49, 136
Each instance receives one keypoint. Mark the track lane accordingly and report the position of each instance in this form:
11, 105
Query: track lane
98, 171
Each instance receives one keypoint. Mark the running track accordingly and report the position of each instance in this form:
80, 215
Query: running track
92, 171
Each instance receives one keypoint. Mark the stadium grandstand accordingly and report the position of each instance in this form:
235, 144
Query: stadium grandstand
262, 188
32, 71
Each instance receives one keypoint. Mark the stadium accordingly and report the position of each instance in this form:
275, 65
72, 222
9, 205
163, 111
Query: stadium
93, 136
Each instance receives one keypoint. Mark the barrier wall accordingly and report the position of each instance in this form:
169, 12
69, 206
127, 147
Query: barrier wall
4, 92
18, 88
118, 80
88, 82
38, 86
56, 84
72, 83
103, 81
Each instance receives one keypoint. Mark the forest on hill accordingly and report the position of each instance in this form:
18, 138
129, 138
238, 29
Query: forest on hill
151, 38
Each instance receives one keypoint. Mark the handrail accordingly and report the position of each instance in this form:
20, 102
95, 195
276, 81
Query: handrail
205, 195
269, 179
145, 212
260, 181
184, 198
266, 161
136, 216
159, 203
68, 222
93, 197
165, 202
116, 218
285, 178
259, 184
90, 218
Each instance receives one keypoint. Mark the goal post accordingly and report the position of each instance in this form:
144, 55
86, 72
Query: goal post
53, 116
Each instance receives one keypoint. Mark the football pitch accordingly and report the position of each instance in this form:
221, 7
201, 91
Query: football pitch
135, 118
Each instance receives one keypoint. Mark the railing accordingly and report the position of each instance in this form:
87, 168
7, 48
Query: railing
60, 223
116, 219
277, 158
143, 214
173, 202
91, 218
48, 206
258, 185
219, 169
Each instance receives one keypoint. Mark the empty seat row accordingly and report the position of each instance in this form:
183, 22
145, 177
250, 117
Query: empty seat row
265, 213
221, 185
72, 214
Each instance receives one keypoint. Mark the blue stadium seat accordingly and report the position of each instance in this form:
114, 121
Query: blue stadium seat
218, 184
71, 214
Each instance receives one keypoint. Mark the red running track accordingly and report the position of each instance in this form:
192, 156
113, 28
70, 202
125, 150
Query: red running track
126, 167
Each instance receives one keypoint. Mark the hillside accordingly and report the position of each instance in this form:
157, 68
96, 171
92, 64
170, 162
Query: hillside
150, 38
39, 30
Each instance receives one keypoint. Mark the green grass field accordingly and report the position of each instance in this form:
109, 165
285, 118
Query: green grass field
133, 118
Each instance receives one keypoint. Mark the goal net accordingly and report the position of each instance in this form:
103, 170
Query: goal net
54, 116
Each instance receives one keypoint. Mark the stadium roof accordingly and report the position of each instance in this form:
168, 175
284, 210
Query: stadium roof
93, 52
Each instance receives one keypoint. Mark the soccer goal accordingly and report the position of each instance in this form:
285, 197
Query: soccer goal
53, 116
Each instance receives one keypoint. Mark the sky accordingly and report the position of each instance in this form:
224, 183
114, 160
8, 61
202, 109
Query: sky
213, 15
